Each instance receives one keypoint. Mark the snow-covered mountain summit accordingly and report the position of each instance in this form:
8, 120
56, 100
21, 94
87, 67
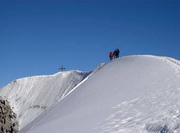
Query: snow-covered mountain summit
135, 94
31, 96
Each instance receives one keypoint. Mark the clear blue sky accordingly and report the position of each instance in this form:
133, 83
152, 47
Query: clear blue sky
38, 36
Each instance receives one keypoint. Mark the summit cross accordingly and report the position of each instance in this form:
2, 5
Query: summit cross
62, 68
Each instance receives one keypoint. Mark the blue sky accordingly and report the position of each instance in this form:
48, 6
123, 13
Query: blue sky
38, 36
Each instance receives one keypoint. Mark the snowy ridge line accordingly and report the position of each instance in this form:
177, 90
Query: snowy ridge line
89, 75
36, 121
175, 62
37, 76
31, 96
73, 89
169, 60
41, 76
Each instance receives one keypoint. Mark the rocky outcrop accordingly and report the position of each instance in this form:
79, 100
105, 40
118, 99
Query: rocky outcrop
8, 123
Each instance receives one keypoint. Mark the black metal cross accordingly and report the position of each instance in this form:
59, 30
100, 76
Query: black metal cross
62, 68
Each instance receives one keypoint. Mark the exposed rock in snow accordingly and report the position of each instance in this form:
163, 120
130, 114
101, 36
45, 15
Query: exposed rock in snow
8, 122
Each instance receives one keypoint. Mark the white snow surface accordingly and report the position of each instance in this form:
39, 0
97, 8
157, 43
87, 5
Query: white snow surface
31, 96
133, 94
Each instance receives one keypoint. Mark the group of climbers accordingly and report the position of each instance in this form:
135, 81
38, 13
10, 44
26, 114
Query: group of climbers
114, 55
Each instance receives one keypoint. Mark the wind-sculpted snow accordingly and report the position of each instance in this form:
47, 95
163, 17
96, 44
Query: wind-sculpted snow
156, 113
33, 95
134, 94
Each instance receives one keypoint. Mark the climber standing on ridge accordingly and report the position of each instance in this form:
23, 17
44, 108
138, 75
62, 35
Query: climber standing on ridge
117, 50
111, 55
116, 53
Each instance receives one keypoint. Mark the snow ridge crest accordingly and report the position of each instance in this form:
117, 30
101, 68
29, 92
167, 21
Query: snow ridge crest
31, 96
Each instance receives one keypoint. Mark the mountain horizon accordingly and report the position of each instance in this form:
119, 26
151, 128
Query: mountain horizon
137, 93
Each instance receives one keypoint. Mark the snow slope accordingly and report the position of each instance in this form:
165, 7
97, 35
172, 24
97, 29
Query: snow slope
135, 94
31, 96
